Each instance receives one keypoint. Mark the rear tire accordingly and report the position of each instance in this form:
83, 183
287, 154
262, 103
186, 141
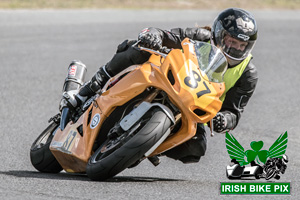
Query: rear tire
129, 149
40, 155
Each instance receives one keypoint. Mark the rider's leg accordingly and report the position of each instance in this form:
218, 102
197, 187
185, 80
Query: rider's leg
192, 150
125, 56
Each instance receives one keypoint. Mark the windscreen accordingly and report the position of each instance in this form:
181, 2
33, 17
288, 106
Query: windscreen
211, 60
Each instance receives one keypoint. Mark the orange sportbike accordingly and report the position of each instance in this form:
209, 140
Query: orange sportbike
140, 113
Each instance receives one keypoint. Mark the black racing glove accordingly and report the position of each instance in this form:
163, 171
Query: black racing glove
219, 122
150, 40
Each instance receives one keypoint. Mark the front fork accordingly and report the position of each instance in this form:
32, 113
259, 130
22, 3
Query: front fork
65, 118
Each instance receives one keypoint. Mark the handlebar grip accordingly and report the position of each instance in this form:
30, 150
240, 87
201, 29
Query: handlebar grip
165, 49
162, 49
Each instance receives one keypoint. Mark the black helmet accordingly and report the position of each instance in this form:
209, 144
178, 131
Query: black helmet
239, 25
285, 158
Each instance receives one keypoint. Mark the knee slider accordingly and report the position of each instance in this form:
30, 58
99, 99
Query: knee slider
122, 47
125, 45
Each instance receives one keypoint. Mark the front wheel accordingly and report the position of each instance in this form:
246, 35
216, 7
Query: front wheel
270, 173
40, 155
123, 151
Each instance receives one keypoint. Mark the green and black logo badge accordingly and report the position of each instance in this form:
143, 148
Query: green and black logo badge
263, 163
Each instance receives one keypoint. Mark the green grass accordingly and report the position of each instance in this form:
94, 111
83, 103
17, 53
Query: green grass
149, 4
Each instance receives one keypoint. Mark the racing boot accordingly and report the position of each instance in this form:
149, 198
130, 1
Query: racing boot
73, 100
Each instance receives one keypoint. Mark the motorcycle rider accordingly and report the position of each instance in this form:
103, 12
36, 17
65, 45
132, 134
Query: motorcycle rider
234, 31
278, 164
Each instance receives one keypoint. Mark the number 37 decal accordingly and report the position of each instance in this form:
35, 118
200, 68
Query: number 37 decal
192, 82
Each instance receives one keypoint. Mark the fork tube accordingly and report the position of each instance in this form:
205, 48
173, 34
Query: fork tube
152, 96
65, 115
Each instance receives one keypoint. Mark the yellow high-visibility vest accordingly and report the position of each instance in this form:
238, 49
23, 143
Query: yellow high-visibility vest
233, 74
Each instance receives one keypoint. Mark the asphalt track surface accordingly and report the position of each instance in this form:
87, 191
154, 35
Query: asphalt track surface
36, 49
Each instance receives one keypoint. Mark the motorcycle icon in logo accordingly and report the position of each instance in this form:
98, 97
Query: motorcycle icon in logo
275, 166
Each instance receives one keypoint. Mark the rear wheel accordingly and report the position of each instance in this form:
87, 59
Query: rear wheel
122, 151
40, 155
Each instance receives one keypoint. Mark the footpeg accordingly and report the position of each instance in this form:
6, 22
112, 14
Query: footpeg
55, 119
154, 160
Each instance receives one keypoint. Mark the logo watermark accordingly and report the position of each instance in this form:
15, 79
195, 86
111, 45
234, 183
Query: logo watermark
257, 163
263, 163
255, 188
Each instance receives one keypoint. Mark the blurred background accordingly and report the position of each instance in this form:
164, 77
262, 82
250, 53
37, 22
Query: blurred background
149, 4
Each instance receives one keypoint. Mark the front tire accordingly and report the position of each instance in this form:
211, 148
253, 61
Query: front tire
40, 155
270, 173
114, 156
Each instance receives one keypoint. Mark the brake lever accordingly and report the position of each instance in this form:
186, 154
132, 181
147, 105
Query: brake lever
136, 44
163, 51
